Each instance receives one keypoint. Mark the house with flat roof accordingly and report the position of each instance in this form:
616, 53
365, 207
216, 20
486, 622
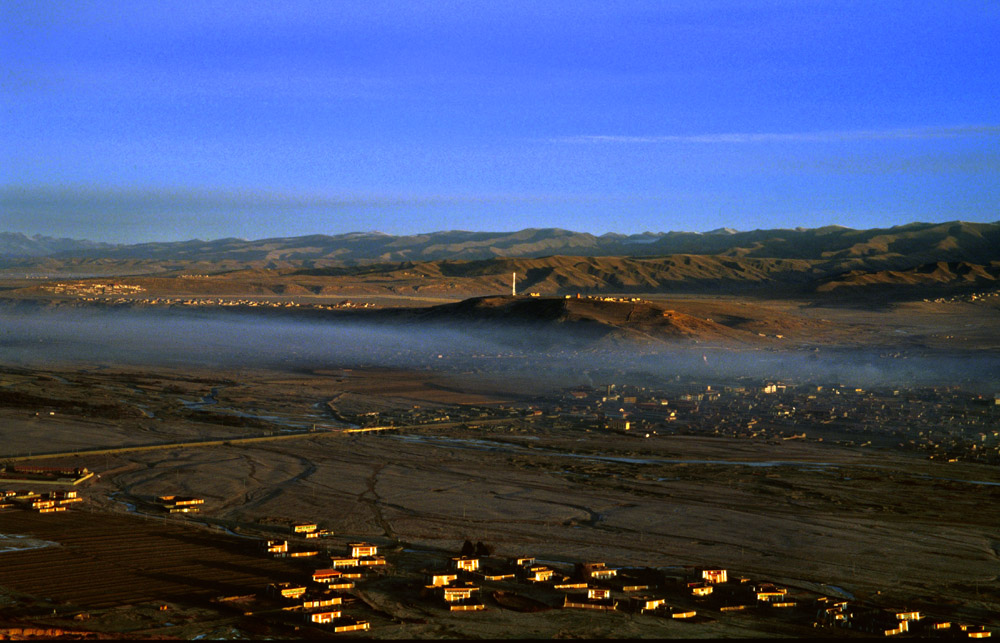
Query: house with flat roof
286, 590
323, 617
361, 550
440, 579
462, 598
538, 574
714, 576
596, 598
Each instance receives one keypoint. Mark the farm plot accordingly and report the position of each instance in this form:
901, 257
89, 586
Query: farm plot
104, 561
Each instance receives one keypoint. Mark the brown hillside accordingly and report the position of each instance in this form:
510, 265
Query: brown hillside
569, 274
458, 264
937, 274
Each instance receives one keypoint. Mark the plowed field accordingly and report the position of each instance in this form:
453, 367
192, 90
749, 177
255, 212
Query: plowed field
105, 560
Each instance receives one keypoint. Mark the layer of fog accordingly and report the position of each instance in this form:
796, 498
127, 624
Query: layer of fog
39, 337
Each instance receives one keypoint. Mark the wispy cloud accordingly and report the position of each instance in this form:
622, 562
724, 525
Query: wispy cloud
978, 162
46, 198
739, 138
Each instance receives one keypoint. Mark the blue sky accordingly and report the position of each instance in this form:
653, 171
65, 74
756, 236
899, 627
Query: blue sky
136, 121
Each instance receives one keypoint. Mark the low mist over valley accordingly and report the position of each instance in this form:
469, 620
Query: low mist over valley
555, 352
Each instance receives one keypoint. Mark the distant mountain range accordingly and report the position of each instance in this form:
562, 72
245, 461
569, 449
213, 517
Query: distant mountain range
829, 259
953, 241
15, 244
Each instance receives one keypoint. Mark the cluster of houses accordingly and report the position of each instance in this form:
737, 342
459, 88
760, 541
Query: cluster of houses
321, 599
595, 586
249, 303
41, 502
460, 595
461, 585
98, 288
44, 503
310, 530
970, 297
944, 422
180, 504
591, 586
885, 622
125, 293
624, 300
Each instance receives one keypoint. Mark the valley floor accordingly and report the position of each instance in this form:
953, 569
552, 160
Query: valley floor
873, 523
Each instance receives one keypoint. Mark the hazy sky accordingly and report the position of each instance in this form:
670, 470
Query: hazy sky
134, 121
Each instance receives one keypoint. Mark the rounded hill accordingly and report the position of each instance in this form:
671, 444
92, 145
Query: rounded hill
593, 318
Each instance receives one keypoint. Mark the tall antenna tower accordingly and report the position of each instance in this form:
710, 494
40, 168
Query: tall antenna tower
513, 284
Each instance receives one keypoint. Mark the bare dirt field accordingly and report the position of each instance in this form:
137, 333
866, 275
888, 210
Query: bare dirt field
104, 560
